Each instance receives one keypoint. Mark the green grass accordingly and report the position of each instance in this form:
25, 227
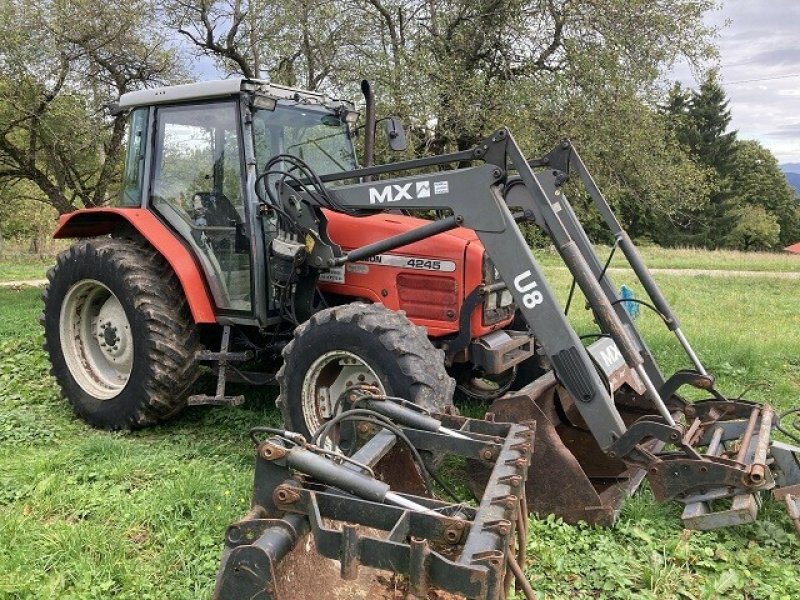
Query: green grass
33, 268
691, 258
88, 514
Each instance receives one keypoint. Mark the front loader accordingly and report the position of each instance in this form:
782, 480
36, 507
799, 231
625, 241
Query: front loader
606, 415
247, 239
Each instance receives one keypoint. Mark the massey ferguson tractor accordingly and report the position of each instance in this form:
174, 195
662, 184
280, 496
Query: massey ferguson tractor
247, 238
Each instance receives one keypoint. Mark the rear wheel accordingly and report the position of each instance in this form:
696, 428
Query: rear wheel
358, 344
119, 334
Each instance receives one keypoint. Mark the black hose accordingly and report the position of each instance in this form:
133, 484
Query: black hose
647, 304
361, 414
795, 424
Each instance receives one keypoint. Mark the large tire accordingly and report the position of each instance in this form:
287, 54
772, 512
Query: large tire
126, 359
393, 349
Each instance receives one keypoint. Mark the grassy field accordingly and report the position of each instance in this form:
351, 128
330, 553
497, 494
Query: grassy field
691, 258
30, 268
35, 267
88, 514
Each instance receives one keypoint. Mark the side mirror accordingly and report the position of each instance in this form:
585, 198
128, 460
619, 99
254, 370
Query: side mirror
396, 134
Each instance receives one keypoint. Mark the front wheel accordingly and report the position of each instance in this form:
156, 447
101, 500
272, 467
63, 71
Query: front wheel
358, 344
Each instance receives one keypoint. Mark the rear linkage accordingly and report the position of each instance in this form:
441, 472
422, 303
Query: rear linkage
359, 520
611, 394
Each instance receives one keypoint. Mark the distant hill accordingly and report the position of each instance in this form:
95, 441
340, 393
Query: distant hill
794, 181
790, 168
792, 173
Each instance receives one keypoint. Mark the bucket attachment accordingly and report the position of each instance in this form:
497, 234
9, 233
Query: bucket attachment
570, 476
323, 525
717, 462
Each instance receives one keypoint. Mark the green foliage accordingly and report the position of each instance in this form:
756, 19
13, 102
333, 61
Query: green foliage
61, 64
24, 212
750, 205
456, 71
756, 181
703, 127
753, 229
90, 514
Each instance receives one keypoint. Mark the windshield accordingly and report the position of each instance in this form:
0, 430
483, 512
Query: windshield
314, 135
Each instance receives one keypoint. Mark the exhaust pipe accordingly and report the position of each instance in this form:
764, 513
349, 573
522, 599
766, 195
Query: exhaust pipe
369, 127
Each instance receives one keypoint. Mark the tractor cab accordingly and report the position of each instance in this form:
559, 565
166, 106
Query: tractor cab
194, 153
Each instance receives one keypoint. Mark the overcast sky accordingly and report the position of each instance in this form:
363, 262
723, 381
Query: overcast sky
759, 48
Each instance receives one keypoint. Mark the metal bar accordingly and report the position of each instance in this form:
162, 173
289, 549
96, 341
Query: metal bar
398, 500
748, 434
634, 258
652, 392
759, 466
494, 287
419, 552
550, 181
397, 241
690, 351
328, 472
716, 441
349, 554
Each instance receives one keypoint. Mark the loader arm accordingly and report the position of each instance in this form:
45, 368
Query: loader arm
491, 199
481, 198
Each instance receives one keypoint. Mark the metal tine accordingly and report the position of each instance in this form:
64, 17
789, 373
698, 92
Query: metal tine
715, 446
694, 432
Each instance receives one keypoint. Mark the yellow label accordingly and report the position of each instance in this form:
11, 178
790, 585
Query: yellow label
310, 243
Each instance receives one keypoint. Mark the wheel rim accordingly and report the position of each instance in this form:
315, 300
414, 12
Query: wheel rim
96, 339
327, 379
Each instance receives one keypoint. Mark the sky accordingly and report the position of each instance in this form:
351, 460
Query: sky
759, 47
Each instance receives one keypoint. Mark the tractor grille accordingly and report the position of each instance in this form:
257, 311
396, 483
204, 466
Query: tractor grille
428, 296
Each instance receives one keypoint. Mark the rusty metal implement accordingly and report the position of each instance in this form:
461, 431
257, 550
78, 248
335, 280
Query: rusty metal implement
314, 514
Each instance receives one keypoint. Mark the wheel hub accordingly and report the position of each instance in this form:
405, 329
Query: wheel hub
96, 339
326, 382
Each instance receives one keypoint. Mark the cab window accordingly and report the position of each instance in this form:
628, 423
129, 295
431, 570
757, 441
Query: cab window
198, 188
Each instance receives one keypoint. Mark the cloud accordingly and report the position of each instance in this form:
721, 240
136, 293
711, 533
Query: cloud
790, 131
759, 45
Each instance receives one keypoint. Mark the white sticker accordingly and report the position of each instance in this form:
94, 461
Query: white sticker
358, 268
441, 187
423, 189
413, 262
557, 206
334, 275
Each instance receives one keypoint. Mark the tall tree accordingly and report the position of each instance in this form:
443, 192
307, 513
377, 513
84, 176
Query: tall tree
62, 63
706, 131
699, 121
757, 181
457, 69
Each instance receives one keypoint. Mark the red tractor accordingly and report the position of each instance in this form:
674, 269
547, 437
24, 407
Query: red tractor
187, 268
247, 238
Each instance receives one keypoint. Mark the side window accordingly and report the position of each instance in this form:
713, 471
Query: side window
198, 188
131, 193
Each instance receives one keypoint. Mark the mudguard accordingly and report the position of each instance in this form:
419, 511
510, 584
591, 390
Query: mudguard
92, 222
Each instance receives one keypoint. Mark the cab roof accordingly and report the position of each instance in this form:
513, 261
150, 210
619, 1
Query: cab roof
221, 88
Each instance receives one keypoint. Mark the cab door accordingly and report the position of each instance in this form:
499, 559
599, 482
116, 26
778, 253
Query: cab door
198, 187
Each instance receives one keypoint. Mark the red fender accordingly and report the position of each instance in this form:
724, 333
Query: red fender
92, 222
